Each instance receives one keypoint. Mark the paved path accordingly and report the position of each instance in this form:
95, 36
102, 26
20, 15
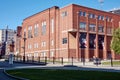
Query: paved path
4, 77
6, 65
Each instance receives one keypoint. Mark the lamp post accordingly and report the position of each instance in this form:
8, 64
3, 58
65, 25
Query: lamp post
24, 38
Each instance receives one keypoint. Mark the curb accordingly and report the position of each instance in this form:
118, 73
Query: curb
18, 78
41, 63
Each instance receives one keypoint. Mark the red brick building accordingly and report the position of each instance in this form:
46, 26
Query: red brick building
72, 31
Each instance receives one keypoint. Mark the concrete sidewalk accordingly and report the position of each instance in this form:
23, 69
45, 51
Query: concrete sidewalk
77, 66
87, 66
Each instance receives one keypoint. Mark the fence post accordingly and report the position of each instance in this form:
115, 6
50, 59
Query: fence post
53, 60
72, 61
45, 60
62, 60
39, 59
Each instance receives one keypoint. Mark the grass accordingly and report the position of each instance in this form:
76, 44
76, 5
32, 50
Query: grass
109, 63
47, 74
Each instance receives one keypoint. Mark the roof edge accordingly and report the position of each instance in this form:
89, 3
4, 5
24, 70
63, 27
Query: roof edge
56, 7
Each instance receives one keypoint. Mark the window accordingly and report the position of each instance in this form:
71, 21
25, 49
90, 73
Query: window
65, 13
101, 42
101, 29
43, 54
100, 17
51, 54
30, 32
29, 46
109, 30
82, 26
92, 27
64, 41
35, 54
109, 19
84, 13
52, 25
52, 42
83, 42
91, 15
36, 45
36, 30
92, 41
81, 13
44, 28
43, 44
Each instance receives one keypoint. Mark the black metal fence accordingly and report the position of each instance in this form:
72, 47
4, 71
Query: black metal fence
46, 60
38, 60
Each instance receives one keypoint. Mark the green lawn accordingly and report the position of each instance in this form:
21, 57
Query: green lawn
47, 74
109, 63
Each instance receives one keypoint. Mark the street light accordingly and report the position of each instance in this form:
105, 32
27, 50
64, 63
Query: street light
24, 38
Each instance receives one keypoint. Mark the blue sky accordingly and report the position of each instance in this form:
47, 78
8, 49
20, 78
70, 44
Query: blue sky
12, 12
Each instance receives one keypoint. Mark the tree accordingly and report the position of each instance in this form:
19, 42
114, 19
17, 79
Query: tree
115, 43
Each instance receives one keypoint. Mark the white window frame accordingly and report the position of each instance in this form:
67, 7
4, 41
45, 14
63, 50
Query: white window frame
52, 54
35, 54
36, 31
65, 13
43, 44
44, 25
29, 31
43, 54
